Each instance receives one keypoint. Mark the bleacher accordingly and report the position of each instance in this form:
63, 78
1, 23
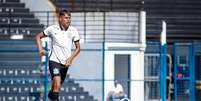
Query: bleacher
21, 74
20, 66
20, 79
98, 5
15, 19
19, 61
182, 16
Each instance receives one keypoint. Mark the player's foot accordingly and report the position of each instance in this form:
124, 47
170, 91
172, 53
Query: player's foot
50, 95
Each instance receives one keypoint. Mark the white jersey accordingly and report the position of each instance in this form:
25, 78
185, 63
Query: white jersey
61, 42
118, 88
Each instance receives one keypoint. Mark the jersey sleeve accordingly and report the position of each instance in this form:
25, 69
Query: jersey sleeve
76, 36
47, 31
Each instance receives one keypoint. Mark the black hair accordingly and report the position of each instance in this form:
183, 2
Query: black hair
63, 12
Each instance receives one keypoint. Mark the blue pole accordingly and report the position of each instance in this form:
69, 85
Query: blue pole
163, 71
163, 64
192, 73
175, 72
46, 74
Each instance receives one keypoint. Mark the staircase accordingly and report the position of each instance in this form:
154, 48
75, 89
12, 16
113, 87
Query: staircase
21, 78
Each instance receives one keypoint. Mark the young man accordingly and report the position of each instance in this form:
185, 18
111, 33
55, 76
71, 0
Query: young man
62, 37
116, 93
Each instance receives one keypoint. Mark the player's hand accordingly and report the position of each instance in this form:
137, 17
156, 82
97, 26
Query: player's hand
42, 52
68, 62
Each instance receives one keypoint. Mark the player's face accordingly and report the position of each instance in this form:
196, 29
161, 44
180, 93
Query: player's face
65, 20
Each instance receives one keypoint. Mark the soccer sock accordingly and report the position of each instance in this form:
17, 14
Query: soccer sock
50, 95
54, 96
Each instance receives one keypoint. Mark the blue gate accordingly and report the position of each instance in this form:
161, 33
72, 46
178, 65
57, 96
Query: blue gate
156, 72
184, 79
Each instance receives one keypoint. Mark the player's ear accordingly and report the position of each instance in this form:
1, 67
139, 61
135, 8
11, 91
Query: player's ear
59, 18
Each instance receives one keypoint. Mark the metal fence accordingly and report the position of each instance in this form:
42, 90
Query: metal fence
92, 26
101, 26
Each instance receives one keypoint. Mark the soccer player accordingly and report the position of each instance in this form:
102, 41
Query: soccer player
62, 36
116, 92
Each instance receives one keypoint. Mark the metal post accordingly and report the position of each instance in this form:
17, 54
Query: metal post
163, 63
48, 18
85, 20
175, 72
103, 71
104, 27
46, 74
192, 72
163, 72
142, 28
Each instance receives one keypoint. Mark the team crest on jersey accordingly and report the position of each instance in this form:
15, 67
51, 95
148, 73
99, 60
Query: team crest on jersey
55, 71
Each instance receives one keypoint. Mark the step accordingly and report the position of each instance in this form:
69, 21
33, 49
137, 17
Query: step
18, 47
22, 65
29, 31
21, 97
33, 25
19, 54
24, 15
11, 21
13, 10
12, 4
16, 1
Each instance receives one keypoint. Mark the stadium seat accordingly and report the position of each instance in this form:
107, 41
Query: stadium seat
16, 19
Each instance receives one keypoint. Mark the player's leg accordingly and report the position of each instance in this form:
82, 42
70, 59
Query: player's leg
54, 69
56, 84
63, 73
54, 92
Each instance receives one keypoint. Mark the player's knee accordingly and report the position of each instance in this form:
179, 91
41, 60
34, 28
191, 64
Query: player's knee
56, 84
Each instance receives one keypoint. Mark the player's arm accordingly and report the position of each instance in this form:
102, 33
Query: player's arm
39, 44
74, 53
77, 49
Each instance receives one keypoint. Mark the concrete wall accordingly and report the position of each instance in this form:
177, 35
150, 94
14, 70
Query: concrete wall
87, 69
